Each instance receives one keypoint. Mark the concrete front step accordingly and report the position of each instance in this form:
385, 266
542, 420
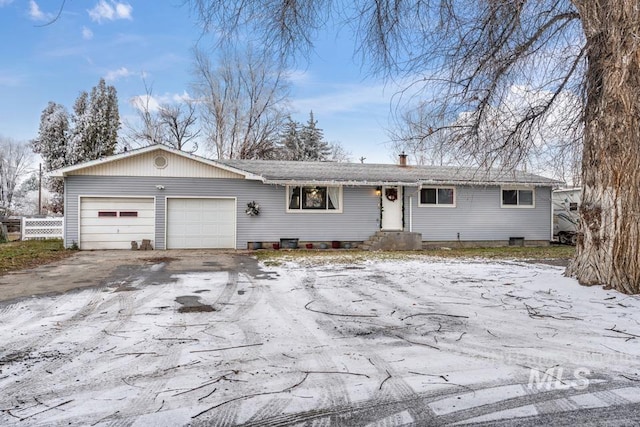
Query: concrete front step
393, 241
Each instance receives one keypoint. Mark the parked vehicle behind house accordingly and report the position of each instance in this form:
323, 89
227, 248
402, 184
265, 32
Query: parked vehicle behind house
566, 215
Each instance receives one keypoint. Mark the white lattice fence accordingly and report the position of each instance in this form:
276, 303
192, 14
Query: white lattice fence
42, 228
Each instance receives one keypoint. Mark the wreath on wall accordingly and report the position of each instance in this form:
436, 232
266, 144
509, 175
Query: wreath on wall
253, 209
391, 194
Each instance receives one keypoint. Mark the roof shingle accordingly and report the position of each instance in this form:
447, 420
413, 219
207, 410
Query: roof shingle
277, 172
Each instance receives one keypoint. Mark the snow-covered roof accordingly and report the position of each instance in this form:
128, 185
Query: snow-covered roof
282, 172
327, 173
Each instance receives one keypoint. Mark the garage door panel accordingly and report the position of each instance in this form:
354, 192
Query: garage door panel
115, 232
116, 222
107, 203
201, 223
150, 214
104, 245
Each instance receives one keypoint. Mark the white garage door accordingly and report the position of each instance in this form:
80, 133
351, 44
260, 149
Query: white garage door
201, 223
113, 222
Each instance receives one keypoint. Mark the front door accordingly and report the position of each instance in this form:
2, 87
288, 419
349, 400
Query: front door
391, 208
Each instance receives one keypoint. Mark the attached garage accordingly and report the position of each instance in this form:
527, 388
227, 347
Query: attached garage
114, 222
194, 223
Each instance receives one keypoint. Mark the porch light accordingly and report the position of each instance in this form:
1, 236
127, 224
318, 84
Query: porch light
378, 191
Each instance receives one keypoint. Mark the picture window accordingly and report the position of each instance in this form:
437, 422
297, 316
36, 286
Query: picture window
437, 196
314, 198
517, 198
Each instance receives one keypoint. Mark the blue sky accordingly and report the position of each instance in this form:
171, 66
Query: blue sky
122, 41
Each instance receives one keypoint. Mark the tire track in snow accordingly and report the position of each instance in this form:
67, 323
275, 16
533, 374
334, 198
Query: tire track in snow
50, 311
32, 384
397, 389
274, 407
235, 310
377, 409
329, 389
545, 401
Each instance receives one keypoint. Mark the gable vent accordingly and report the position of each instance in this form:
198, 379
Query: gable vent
160, 162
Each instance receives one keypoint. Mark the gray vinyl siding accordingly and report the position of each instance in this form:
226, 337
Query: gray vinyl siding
358, 221
479, 216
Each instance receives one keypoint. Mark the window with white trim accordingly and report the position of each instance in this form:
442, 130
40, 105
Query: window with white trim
438, 196
314, 198
518, 198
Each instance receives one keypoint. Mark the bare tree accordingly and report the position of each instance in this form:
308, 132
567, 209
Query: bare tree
178, 121
243, 101
338, 153
173, 124
553, 146
416, 136
467, 56
15, 160
146, 129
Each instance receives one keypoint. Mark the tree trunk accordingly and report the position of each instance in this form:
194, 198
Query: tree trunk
608, 250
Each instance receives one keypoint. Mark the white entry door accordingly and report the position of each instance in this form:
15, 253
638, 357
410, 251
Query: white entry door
391, 208
201, 223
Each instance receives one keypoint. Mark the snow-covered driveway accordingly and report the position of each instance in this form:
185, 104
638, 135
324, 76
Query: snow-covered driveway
320, 342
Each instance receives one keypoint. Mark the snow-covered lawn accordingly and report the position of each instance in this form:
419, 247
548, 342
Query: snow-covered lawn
380, 342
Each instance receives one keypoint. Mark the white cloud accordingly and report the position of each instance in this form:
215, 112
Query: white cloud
110, 11
298, 77
152, 103
123, 10
145, 102
117, 74
5, 2
344, 99
35, 13
10, 80
332, 98
87, 34
182, 97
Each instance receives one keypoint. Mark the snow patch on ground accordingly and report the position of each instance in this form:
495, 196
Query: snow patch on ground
365, 342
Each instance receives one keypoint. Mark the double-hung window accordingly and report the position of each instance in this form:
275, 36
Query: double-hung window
314, 198
438, 196
518, 198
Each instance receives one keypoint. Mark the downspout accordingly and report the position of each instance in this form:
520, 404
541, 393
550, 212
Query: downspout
551, 203
64, 207
410, 214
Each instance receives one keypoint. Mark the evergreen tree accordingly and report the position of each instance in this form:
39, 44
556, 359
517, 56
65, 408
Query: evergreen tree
80, 130
315, 148
290, 145
53, 145
96, 123
52, 142
303, 142
93, 134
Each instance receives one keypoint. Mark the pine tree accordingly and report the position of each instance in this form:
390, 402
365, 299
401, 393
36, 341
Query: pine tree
96, 123
315, 148
93, 134
53, 145
52, 142
303, 143
290, 145
80, 131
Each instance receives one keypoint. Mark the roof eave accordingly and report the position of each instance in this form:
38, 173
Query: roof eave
348, 183
63, 172
485, 183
